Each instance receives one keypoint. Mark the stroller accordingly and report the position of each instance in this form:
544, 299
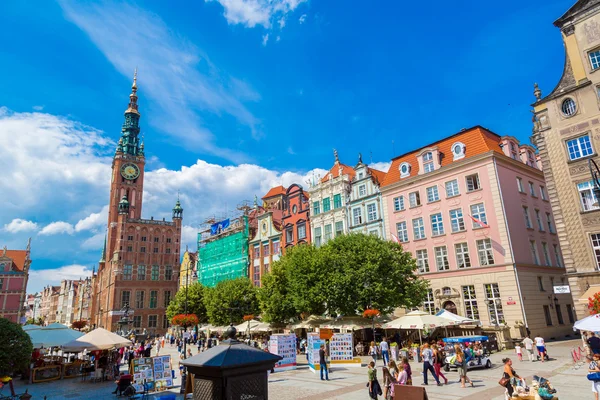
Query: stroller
546, 357
545, 389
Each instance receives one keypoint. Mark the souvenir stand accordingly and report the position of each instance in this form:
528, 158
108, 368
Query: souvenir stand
284, 346
340, 351
313, 345
154, 372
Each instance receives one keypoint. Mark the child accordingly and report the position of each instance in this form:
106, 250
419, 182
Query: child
519, 352
408, 371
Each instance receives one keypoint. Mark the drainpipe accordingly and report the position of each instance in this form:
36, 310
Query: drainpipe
511, 247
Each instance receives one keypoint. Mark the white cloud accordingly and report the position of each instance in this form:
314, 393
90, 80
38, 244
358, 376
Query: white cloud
265, 39
258, 12
302, 18
57, 227
168, 64
381, 166
38, 108
189, 237
281, 22
278, 38
290, 150
40, 278
93, 221
95, 242
20, 225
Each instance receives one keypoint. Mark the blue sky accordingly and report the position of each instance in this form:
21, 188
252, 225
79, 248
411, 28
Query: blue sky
237, 96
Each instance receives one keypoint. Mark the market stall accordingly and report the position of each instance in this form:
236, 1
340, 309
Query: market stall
419, 320
154, 372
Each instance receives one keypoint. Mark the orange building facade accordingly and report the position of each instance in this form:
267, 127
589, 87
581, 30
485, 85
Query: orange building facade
296, 217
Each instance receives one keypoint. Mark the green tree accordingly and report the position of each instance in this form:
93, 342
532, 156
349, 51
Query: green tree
195, 302
274, 298
16, 348
230, 300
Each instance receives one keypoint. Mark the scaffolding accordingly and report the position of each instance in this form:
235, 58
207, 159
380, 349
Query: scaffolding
223, 245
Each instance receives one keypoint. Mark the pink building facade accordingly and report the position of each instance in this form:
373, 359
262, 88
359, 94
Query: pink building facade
14, 273
473, 211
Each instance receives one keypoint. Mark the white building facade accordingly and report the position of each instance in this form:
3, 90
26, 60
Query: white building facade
365, 207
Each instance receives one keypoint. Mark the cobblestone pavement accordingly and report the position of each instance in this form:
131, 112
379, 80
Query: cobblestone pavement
349, 384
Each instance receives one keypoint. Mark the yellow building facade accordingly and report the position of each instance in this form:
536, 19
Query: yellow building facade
188, 269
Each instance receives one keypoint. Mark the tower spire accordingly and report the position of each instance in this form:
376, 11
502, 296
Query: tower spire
129, 144
133, 106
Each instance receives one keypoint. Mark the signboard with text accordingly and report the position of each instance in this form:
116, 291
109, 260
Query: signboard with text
562, 289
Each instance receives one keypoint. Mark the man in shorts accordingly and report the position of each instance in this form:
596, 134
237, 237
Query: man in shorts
541, 346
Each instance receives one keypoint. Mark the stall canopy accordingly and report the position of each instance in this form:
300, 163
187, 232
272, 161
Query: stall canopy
351, 322
31, 327
457, 318
591, 323
311, 322
52, 335
98, 339
418, 320
253, 326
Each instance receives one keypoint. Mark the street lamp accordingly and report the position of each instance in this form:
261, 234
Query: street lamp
124, 321
595, 173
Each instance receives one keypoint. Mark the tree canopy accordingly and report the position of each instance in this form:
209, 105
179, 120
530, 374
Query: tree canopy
195, 302
16, 348
230, 300
344, 277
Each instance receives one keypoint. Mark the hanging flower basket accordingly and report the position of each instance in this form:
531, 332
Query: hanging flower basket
371, 313
248, 317
185, 320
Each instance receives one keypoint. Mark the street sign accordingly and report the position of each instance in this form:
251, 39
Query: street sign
562, 289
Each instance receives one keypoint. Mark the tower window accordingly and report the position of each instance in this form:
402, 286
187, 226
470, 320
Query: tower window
568, 107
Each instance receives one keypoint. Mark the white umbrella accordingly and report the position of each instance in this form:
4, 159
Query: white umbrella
98, 339
52, 335
244, 326
418, 320
352, 322
591, 323
311, 322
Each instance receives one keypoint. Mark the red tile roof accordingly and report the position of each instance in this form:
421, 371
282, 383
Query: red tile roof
19, 258
335, 171
477, 140
378, 176
276, 191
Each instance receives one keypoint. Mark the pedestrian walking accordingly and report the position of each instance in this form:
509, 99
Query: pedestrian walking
461, 363
323, 362
406, 365
528, 343
595, 367
373, 351
594, 342
385, 351
541, 347
519, 352
189, 353
388, 383
374, 387
439, 358
509, 376
427, 355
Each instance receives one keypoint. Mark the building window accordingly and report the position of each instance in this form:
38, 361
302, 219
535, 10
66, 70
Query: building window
520, 185
532, 189
156, 240
543, 193
527, 220
316, 208
478, 216
437, 224
374, 232
256, 275
470, 300
538, 219
337, 201
463, 260
485, 252
596, 246
339, 228
144, 238
472, 182
301, 232
428, 162
155, 272
547, 315
141, 272
318, 237
152, 321
266, 269
594, 59
127, 272
265, 249
137, 321
362, 190
125, 297
570, 314
276, 247
357, 216
457, 221
289, 236
371, 212
458, 151
326, 204
129, 248
452, 188
568, 107
130, 237
550, 224
540, 281
432, 194
327, 233
139, 299
402, 231
404, 170
142, 249
167, 298
579, 147
1, 279
168, 251
547, 261
557, 255
559, 315
513, 151
399, 203
429, 303
153, 299
422, 261
156, 249
169, 240
418, 228
534, 252
360, 175
494, 302
165, 321
441, 258
530, 160
168, 273
414, 199
586, 194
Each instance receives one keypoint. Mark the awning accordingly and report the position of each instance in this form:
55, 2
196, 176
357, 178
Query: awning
589, 293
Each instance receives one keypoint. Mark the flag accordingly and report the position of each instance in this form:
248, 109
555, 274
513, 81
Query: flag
478, 222
395, 238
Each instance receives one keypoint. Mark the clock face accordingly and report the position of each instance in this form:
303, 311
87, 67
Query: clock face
130, 171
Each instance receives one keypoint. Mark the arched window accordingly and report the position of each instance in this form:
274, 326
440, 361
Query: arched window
404, 170
446, 291
458, 150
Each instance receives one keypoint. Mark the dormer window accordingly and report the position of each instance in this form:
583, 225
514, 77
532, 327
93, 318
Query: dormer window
530, 159
404, 170
458, 151
428, 165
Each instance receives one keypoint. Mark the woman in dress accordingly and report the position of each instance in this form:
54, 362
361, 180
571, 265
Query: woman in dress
461, 363
373, 352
